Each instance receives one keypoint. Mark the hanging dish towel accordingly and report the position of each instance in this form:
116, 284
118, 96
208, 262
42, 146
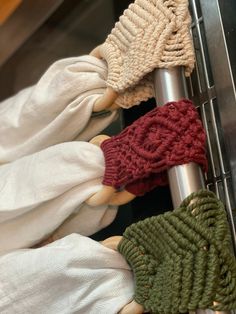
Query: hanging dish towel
57, 109
72, 275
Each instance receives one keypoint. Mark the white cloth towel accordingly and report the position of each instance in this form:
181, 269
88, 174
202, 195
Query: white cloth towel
72, 275
45, 176
40, 191
57, 109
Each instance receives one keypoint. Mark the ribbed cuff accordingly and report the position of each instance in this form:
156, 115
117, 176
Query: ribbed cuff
114, 62
141, 265
112, 174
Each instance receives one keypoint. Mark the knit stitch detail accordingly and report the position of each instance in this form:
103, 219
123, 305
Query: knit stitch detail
182, 260
139, 157
150, 34
133, 96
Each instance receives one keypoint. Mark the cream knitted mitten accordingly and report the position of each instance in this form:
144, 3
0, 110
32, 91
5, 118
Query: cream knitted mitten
150, 34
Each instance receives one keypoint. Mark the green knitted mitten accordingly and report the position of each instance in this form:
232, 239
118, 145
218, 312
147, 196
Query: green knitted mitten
182, 260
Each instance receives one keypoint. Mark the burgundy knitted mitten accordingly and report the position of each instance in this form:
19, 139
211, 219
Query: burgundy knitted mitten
138, 158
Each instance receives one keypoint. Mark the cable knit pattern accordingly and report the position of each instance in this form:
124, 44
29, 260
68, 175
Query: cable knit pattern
150, 34
140, 155
182, 260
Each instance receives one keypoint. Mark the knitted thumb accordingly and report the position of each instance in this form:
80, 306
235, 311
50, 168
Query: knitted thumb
182, 260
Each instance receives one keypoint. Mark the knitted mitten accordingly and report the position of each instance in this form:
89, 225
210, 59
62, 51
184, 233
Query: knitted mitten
182, 260
139, 156
150, 34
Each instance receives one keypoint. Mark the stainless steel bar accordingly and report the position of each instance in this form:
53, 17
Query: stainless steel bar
170, 85
210, 148
184, 180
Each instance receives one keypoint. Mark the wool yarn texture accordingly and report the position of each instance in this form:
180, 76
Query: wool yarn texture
150, 34
138, 158
182, 260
